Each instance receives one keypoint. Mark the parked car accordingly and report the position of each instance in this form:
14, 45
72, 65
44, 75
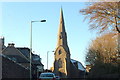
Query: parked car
57, 77
47, 76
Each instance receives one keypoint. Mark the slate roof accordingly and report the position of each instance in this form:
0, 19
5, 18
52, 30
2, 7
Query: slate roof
25, 51
15, 54
78, 64
36, 62
20, 54
18, 59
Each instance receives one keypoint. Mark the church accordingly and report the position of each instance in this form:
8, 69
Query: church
64, 66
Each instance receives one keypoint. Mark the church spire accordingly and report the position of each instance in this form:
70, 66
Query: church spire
61, 26
62, 37
62, 53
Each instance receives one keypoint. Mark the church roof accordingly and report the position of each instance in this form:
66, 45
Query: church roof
79, 64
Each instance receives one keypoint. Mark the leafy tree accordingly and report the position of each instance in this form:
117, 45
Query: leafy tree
102, 55
103, 48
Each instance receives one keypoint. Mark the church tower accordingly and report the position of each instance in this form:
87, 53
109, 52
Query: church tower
62, 53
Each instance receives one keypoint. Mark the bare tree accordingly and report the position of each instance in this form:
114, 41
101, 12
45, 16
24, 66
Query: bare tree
104, 16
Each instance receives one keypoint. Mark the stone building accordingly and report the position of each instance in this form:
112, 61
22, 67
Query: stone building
64, 66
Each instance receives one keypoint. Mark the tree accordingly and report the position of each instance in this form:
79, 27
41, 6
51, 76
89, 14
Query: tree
104, 16
102, 55
103, 49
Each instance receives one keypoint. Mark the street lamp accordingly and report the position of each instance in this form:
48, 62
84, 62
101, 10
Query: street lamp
47, 58
31, 44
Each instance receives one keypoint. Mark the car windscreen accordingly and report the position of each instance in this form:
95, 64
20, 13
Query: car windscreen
46, 75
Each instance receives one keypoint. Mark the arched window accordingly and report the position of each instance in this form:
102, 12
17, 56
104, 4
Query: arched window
59, 52
60, 63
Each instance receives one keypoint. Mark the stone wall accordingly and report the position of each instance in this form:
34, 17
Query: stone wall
11, 69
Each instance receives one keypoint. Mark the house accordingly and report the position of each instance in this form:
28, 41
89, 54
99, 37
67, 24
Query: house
36, 61
13, 63
21, 55
13, 53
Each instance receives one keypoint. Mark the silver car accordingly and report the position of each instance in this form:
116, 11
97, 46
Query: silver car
47, 76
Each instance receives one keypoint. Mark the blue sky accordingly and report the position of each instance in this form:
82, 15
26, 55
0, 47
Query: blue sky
15, 22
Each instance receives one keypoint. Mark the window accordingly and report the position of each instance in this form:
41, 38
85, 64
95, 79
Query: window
61, 35
60, 63
47, 75
14, 59
59, 52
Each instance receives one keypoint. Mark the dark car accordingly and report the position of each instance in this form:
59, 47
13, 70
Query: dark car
57, 77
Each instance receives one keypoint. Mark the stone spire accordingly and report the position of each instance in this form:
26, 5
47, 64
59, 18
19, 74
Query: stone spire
62, 53
62, 37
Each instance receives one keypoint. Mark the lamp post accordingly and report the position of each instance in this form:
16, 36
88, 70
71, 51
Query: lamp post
47, 58
31, 45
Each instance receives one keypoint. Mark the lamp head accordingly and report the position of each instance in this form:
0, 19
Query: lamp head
43, 21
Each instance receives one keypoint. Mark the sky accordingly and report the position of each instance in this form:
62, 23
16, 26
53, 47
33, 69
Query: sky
15, 27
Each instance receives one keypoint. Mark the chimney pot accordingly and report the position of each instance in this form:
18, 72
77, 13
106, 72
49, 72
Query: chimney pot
11, 44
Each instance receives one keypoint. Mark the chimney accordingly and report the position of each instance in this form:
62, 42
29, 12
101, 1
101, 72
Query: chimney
2, 46
11, 44
2, 41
